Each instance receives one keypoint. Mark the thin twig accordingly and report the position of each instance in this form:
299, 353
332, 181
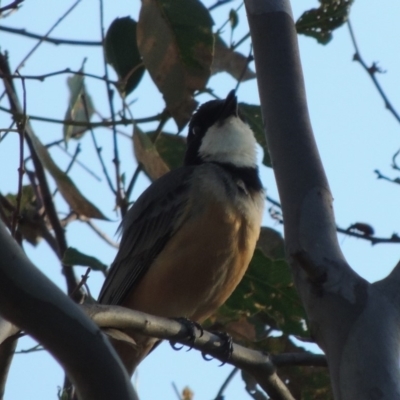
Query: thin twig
21, 170
105, 123
395, 238
226, 383
83, 281
33, 349
97, 147
100, 233
47, 39
41, 176
110, 94
218, 4
394, 163
243, 39
133, 181
372, 71
12, 6
42, 39
386, 178
249, 59
227, 21
178, 395
71, 163
83, 166
42, 77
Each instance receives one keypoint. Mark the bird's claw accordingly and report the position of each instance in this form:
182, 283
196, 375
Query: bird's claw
174, 346
225, 350
191, 328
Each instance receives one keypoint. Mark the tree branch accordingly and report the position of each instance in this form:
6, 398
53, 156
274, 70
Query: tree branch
42, 38
14, 5
372, 71
40, 174
104, 123
42, 77
258, 364
329, 289
395, 238
31, 301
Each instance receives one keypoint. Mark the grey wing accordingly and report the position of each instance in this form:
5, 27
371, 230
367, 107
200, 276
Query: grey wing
146, 228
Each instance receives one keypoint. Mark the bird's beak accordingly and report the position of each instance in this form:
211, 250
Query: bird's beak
230, 106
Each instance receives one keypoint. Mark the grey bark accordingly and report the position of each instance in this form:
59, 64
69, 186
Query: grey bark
32, 302
354, 322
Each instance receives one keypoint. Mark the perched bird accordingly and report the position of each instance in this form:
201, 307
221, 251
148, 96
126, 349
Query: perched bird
189, 238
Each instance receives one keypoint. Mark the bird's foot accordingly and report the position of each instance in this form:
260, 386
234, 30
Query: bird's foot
191, 327
226, 349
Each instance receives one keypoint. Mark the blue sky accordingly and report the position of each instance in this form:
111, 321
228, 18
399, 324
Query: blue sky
354, 133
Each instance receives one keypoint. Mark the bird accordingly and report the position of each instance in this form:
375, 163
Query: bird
189, 237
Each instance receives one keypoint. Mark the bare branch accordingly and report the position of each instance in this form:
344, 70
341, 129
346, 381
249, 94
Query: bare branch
110, 94
47, 39
105, 123
254, 362
372, 71
42, 77
12, 6
226, 383
21, 170
42, 39
41, 176
373, 239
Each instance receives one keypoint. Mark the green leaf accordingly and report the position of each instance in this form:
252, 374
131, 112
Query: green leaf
80, 107
319, 23
233, 19
230, 61
73, 257
176, 42
122, 53
252, 114
171, 148
267, 293
147, 155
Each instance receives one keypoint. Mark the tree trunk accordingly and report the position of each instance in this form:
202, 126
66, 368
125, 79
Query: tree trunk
354, 322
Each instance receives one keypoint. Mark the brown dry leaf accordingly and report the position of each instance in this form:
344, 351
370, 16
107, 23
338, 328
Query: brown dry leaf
176, 43
147, 155
230, 61
71, 194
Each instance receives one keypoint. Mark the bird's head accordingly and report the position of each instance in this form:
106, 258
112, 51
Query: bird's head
218, 133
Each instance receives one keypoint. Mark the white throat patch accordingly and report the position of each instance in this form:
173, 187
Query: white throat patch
231, 142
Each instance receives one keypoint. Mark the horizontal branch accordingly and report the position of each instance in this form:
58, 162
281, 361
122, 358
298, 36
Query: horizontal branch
373, 239
395, 238
105, 123
259, 364
56, 73
23, 32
